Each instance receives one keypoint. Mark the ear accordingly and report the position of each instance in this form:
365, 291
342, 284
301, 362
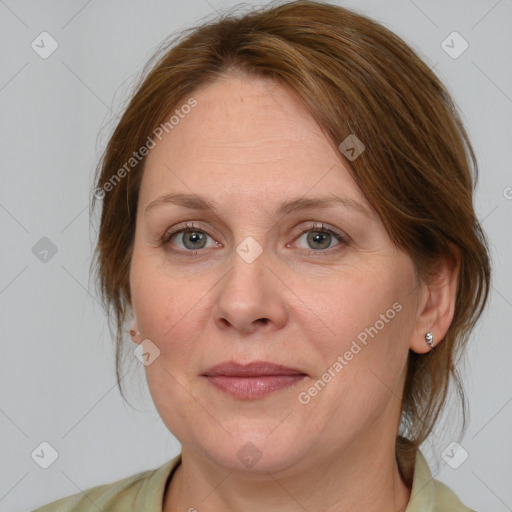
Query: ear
134, 332
437, 304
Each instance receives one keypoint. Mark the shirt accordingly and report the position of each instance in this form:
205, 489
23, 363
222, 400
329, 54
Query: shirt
144, 492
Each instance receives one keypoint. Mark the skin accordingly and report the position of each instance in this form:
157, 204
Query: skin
248, 145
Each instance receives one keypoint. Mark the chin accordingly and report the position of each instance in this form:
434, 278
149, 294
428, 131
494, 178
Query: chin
257, 449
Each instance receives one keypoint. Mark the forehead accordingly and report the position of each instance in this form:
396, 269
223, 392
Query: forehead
245, 137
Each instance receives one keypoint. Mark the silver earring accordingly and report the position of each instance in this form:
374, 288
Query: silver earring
429, 338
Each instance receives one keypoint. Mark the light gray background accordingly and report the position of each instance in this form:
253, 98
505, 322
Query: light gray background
57, 378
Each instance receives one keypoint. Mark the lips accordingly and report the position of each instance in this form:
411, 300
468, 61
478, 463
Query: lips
254, 369
254, 380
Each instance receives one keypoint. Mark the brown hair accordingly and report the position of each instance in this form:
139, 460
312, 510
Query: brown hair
354, 76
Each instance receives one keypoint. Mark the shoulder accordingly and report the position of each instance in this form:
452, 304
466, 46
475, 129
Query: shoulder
430, 495
119, 493
142, 491
446, 500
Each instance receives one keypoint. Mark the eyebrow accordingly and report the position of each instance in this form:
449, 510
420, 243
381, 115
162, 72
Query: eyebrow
195, 202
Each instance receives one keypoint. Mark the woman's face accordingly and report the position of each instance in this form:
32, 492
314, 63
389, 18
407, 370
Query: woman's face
255, 280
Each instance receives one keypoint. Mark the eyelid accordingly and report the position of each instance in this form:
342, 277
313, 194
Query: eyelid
319, 226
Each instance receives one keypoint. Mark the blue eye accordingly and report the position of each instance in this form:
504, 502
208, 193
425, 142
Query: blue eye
319, 238
191, 237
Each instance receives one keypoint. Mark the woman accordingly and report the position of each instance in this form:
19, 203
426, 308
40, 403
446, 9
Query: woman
287, 224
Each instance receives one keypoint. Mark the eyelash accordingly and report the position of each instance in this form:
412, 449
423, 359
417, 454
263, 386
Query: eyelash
166, 237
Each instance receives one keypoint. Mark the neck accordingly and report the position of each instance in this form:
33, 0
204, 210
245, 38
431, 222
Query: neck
367, 479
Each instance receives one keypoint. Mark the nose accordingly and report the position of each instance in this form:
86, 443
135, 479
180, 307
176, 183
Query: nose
250, 297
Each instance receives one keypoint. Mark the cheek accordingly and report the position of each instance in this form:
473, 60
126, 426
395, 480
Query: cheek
165, 311
356, 304
363, 355
370, 316
161, 305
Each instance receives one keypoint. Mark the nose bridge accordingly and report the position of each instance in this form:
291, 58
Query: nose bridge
249, 267
250, 250
248, 293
